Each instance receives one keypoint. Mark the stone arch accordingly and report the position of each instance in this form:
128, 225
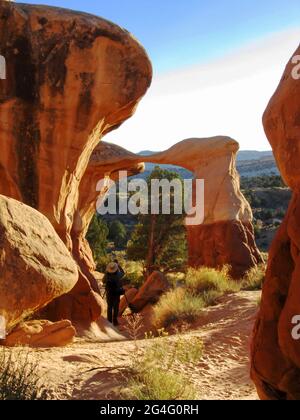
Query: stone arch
225, 237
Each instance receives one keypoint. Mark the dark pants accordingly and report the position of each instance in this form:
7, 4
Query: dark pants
113, 303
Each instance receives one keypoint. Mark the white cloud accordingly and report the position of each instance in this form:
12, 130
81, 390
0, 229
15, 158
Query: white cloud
223, 97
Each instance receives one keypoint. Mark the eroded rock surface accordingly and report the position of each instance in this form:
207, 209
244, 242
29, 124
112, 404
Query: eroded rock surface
150, 292
71, 78
35, 265
275, 350
41, 334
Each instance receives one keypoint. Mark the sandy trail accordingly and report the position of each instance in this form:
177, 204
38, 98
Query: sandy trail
77, 371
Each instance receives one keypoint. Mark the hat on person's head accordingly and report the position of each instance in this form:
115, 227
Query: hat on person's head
112, 268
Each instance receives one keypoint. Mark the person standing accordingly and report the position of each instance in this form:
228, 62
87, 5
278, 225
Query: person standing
114, 291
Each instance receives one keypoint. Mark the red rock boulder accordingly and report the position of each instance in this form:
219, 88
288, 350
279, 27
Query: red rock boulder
150, 292
41, 334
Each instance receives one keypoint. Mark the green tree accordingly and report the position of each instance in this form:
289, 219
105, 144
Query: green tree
97, 237
118, 234
158, 239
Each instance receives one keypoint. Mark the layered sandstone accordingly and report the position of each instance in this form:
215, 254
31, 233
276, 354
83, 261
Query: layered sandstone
35, 265
275, 349
105, 164
71, 78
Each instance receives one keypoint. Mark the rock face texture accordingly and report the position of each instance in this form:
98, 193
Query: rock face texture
41, 334
105, 164
130, 295
84, 304
35, 265
275, 349
150, 292
71, 78
226, 235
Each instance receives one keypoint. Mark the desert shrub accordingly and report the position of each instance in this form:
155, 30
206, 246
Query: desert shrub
265, 256
158, 385
201, 288
176, 279
177, 306
254, 278
19, 379
153, 375
134, 271
171, 352
134, 276
102, 263
204, 281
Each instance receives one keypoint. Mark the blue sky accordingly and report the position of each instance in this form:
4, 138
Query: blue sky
177, 33
216, 65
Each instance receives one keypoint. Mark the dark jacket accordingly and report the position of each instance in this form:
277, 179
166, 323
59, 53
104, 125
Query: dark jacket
113, 283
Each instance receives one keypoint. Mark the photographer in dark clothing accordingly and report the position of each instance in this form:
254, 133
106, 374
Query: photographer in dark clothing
114, 290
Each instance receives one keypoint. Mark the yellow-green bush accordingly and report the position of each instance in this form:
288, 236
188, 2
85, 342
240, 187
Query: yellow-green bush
204, 280
202, 288
254, 278
177, 305
153, 375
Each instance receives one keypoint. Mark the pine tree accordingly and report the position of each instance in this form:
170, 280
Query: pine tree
158, 239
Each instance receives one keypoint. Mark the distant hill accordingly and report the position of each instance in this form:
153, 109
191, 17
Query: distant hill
147, 153
250, 163
253, 155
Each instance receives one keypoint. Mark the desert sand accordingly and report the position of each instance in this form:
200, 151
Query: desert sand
95, 371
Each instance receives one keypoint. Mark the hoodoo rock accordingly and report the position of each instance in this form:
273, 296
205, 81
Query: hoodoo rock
71, 78
225, 236
276, 347
35, 265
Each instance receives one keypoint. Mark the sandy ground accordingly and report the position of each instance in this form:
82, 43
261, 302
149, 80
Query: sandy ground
89, 371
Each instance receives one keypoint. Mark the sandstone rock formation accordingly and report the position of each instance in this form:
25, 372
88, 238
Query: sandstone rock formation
71, 78
130, 295
35, 265
226, 235
83, 303
105, 164
150, 292
275, 352
41, 334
